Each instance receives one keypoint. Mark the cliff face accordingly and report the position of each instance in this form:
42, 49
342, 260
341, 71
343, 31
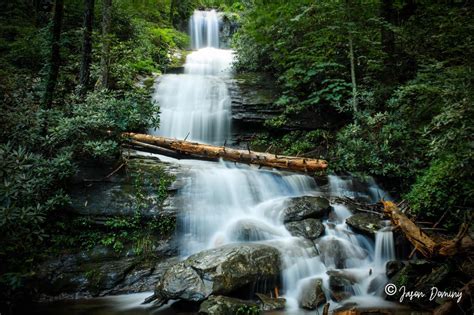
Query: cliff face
253, 99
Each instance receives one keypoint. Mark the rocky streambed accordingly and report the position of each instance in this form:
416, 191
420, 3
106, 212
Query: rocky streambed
244, 275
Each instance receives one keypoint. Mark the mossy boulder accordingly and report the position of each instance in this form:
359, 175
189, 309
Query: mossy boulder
312, 294
219, 271
300, 208
308, 228
365, 223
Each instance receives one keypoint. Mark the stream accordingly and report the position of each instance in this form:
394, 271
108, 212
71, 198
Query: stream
227, 203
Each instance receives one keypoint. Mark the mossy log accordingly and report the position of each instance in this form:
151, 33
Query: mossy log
424, 244
206, 151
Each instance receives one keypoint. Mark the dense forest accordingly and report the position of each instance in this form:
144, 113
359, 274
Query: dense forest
387, 86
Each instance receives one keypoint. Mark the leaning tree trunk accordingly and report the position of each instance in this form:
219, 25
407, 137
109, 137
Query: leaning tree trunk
55, 57
84, 76
193, 149
461, 244
105, 58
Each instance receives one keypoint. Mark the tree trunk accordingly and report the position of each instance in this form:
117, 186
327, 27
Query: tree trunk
105, 59
422, 242
84, 76
55, 57
353, 75
348, 9
206, 151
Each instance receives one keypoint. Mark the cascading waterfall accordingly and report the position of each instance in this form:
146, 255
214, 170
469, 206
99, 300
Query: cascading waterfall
226, 203
196, 105
204, 29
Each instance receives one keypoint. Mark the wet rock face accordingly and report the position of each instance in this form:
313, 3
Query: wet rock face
300, 208
253, 98
219, 271
365, 223
271, 304
312, 294
102, 271
223, 305
118, 196
308, 228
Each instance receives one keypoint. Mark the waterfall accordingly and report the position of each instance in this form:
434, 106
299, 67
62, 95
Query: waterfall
384, 247
204, 29
226, 203
196, 105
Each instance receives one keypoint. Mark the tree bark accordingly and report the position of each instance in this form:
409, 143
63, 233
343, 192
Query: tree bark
105, 59
242, 156
84, 76
351, 56
353, 75
55, 57
461, 244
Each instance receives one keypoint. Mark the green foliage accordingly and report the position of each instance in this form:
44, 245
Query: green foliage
28, 192
311, 144
414, 115
136, 232
444, 186
41, 147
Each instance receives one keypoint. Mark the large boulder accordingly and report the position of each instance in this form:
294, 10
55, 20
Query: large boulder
304, 207
365, 223
224, 305
308, 228
219, 270
312, 294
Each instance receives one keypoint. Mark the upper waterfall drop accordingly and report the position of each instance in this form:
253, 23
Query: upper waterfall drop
196, 105
204, 29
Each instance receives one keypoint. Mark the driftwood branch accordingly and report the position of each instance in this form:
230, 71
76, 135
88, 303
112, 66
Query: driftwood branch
205, 151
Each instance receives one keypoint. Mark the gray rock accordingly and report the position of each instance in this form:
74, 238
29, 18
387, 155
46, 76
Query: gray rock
338, 283
307, 228
253, 97
118, 196
252, 230
336, 252
312, 294
365, 223
271, 304
223, 305
300, 208
219, 271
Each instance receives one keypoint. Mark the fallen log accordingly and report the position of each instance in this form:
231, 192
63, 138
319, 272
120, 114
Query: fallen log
462, 243
207, 151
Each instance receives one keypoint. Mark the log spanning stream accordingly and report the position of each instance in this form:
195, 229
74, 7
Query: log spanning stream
227, 203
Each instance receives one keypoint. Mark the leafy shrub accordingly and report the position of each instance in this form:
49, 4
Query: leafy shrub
445, 186
93, 128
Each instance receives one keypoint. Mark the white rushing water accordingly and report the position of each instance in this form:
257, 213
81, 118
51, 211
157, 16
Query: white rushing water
196, 105
227, 203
